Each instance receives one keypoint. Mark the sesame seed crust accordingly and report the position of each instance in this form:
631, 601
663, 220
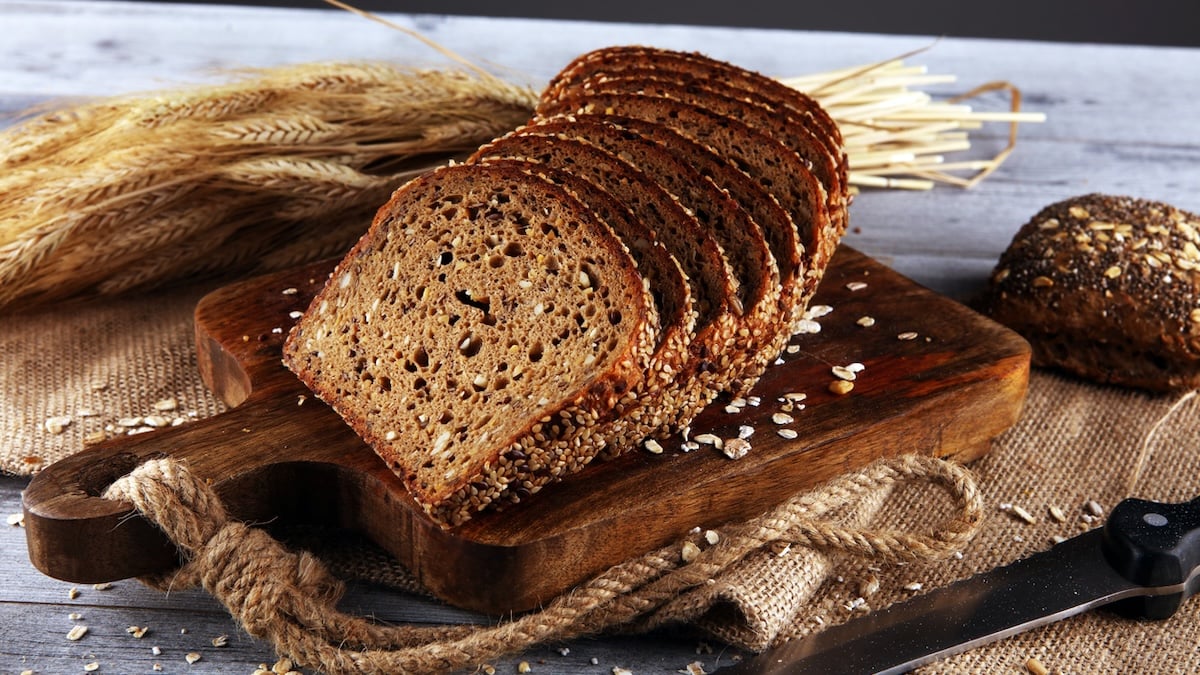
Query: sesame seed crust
1108, 288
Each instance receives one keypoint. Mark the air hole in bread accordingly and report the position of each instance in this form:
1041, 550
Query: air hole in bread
421, 357
445, 258
469, 345
536, 351
514, 250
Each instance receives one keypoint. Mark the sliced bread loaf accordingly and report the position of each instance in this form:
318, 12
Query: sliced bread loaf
782, 124
508, 317
720, 210
701, 375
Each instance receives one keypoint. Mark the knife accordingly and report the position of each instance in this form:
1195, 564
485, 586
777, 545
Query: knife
1144, 563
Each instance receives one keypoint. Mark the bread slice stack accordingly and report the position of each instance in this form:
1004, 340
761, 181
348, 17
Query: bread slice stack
591, 280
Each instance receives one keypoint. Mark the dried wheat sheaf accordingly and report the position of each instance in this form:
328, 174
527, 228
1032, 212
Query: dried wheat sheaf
280, 167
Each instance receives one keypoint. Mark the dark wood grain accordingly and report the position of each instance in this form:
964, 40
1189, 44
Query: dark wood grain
280, 455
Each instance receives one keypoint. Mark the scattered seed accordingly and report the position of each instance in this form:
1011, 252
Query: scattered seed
908, 335
689, 552
795, 396
155, 650
157, 421
793, 349
653, 447
220, 641
94, 437
523, 667
75, 616
869, 586
157, 667
693, 668
913, 587
807, 327
166, 404
618, 670
1022, 514
138, 632
1094, 508
754, 401
781, 548
91, 666
711, 439
1042, 282
192, 657
711, 537
745, 431
295, 314
56, 425
129, 422
841, 387
564, 650
789, 434
1057, 514
1057, 539
732, 409
16, 519
1035, 667
736, 448
855, 367
594, 661
866, 321
844, 373
688, 446
77, 632
782, 418
856, 286
103, 586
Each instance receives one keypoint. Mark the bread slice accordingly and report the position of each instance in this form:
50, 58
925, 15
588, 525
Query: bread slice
705, 371
665, 280
821, 226
742, 238
476, 334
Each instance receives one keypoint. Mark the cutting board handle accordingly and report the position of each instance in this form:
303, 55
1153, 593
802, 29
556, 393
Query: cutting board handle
75, 534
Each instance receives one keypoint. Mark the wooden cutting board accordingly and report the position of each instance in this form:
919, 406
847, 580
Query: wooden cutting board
281, 456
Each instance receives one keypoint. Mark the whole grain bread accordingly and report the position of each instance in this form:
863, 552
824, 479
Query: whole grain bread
742, 238
820, 231
509, 316
1108, 288
705, 371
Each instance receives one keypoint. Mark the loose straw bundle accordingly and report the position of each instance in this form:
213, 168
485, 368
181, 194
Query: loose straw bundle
897, 137
289, 164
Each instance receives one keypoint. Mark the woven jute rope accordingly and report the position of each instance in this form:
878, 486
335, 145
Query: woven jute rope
289, 597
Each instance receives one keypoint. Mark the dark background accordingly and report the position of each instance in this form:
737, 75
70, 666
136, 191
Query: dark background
1148, 22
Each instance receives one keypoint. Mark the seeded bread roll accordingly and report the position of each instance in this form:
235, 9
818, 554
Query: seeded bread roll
1108, 288
476, 334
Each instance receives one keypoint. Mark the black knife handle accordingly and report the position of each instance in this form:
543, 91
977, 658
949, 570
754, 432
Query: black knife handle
1155, 545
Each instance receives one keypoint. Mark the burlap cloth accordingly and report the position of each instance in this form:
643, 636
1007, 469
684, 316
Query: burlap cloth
101, 363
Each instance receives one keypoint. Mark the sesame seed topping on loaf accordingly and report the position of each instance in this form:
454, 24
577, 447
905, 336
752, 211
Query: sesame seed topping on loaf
1108, 288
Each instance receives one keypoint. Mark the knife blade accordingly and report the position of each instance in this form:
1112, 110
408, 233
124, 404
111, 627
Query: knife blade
1144, 562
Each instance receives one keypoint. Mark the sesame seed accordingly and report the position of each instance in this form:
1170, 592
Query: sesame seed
789, 434
1113, 272
653, 447
909, 335
817, 311
1094, 508
1022, 514
290, 291
866, 321
1042, 282
854, 286
1057, 514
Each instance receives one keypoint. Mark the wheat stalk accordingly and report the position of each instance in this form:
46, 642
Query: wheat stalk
141, 190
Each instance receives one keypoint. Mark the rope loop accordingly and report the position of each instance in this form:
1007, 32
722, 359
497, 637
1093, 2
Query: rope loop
290, 598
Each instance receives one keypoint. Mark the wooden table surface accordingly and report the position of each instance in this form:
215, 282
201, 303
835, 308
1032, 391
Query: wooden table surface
1120, 120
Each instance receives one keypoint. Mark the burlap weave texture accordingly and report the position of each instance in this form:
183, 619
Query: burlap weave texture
1075, 443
